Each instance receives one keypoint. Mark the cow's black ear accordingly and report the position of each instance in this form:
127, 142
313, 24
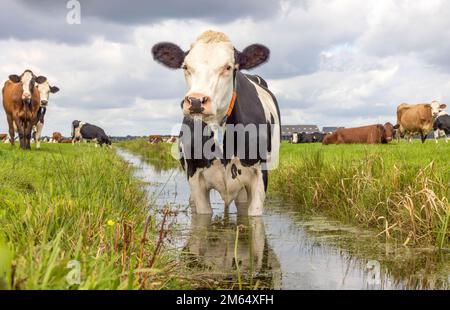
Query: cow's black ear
168, 54
41, 79
252, 56
14, 78
54, 89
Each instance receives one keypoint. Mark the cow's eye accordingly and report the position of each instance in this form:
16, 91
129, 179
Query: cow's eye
184, 67
228, 68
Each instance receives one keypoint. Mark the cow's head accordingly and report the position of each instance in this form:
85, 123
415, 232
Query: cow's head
389, 132
28, 81
209, 68
45, 89
436, 107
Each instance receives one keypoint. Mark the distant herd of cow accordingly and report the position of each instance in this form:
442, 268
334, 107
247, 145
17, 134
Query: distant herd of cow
25, 100
412, 119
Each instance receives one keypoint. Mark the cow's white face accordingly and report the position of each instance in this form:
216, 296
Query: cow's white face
44, 91
28, 81
436, 108
209, 68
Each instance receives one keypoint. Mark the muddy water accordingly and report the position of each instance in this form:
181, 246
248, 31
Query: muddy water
284, 249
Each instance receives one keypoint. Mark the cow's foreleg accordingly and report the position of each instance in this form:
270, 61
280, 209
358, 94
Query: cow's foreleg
199, 194
21, 130
37, 137
28, 128
423, 136
11, 128
241, 202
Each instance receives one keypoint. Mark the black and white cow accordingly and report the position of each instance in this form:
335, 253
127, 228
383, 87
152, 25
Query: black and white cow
310, 137
88, 132
44, 91
441, 126
234, 113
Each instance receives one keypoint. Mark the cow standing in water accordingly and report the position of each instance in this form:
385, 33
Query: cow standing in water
21, 102
44, 89
219, 100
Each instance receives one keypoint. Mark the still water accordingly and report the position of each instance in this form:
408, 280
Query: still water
284, 249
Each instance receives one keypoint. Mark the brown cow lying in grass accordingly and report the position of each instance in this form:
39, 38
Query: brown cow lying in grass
56, 136
3, 137
371, 134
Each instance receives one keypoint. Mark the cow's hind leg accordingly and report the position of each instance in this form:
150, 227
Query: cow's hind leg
253, 180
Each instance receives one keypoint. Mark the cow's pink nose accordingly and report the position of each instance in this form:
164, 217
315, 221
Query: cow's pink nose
196, 102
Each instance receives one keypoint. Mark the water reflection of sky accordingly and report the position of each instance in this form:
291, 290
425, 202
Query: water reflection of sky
297, 252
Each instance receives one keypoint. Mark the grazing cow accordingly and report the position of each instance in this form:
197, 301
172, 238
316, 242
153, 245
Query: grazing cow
222, 100
44, 92
371, 134
441, 126
88, 132
311, 137
21, 101
417, 118
155, 139
172, 140
56, 137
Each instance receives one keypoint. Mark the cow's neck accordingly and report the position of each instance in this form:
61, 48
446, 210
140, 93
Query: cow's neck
232, 102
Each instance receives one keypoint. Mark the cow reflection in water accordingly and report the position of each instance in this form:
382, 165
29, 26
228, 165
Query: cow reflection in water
211, 247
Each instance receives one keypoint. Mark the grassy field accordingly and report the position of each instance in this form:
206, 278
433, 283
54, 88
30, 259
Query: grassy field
66, 203
158, 154
403, 191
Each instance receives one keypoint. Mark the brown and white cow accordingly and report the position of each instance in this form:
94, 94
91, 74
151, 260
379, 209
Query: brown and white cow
417, 118
3, 137
153, 139
371, 134
56, 137
21, 101
45, 90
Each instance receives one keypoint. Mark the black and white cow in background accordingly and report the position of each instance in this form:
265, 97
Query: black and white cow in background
441, 126
220, 97
88, 132
44, 91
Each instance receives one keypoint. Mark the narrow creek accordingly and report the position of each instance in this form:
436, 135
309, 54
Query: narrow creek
284, 249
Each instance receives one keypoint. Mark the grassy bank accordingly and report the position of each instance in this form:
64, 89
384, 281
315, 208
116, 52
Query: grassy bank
158, 154
81, 204
403, 191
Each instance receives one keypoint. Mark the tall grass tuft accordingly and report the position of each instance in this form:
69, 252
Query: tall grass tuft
401, 190
63, 204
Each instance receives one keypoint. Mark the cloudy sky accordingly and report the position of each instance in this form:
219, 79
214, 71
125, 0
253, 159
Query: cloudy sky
333, 62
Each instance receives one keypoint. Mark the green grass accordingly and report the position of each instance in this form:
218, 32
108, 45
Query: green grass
403, 191
66, 203
158, 154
